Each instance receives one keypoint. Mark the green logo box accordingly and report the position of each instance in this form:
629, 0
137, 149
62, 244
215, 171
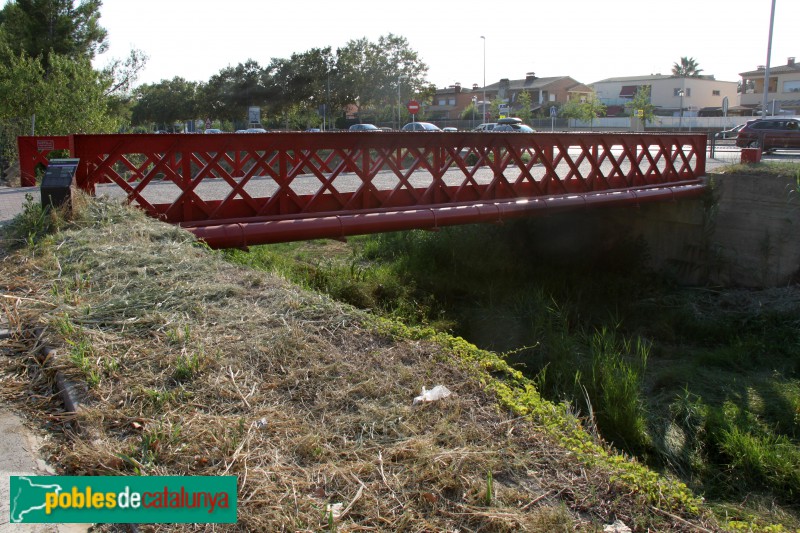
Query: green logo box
122, 499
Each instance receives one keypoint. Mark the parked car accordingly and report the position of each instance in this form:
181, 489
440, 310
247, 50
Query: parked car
488, 126
214, 130
518, 128
420, 126
252, 130
450, 129
770, 134
364, 127
510, 120
729, 134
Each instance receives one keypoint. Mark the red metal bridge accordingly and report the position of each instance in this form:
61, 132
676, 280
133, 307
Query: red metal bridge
235, 190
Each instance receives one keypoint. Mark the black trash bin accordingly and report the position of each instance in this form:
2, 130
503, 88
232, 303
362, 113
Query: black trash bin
58, 182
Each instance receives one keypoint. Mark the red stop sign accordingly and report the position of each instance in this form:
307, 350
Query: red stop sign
413, 107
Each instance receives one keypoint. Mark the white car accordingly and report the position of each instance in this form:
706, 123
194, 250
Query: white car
488, 126
518, 128
420, 126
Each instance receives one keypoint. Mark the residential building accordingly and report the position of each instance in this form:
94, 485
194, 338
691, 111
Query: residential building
449, 103
783, 91
697, 96
544, 92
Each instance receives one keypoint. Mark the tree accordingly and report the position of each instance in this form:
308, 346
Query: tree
641, 100
358, 80
122, 74
230, 93
70, 99
494, 106
300, 84
524, 103
40, 28
369, 75
165, 102
585, 110
470, 112
687, 68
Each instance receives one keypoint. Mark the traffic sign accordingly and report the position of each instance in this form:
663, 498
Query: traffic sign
553, 111
413, 107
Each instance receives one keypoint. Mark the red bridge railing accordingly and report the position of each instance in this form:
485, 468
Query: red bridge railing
239, 189
34, 152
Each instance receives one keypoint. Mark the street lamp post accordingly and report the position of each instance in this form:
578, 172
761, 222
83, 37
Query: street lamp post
680, 117
474, 103
483, 118
766, 68
399, 103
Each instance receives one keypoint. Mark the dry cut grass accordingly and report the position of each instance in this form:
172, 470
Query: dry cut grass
192, 366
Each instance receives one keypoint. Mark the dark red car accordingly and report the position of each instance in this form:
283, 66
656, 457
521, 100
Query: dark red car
770, 134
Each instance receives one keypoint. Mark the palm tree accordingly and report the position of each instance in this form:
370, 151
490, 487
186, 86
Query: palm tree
687, 68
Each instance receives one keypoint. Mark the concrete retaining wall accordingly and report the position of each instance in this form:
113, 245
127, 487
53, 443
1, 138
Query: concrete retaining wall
746, 232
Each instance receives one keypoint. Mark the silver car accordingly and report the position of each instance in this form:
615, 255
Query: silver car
363, 127
420, 126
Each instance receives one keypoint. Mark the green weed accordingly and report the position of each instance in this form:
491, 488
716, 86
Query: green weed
186, 366
34, 223
615, 387
159, 399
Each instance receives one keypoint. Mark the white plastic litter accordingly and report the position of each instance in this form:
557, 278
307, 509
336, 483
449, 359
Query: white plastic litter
617, 527
436, 393
335, 510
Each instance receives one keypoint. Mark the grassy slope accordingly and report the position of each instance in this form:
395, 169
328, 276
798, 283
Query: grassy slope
194, 366
717, 400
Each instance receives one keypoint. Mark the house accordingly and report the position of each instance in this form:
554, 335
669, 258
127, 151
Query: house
449, 103
544, 92
783, 91
696, 96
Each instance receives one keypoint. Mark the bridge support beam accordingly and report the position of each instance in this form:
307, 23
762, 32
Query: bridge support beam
241, 234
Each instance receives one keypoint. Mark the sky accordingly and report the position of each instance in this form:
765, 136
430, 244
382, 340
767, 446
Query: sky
588, 40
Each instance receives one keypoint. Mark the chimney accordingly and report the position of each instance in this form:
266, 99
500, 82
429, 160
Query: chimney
530, 76
761, 67
458, 87
475, 86
790, 62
